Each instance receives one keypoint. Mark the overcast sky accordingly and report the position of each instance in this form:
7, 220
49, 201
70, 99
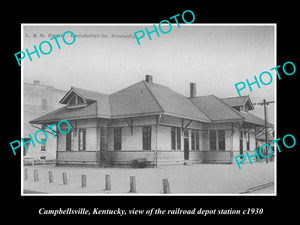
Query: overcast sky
215, 57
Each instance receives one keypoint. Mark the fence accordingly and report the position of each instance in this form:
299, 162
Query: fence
108, 187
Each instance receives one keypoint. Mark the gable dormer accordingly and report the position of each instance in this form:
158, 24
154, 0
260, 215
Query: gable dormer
73, 99
240, 103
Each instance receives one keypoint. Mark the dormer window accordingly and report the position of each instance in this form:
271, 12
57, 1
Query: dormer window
76, 98
76, 101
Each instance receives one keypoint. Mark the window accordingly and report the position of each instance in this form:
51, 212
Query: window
117, 138
221, 139
81, 139
178, 138
75, 99
79, 100
213, 139
43, 145
70, 141
217, 140
248, 141
147, 138
186, 143
241, 143
175, 138
44, 104
103, 138
72, 101
195, 138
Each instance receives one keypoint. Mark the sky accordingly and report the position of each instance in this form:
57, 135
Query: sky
213, 56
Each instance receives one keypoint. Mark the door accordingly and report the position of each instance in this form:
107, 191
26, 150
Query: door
186, 145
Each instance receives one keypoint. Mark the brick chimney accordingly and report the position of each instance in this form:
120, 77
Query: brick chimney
149, 79
193, 92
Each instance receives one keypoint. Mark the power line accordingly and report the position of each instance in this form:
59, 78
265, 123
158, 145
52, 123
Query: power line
265, 103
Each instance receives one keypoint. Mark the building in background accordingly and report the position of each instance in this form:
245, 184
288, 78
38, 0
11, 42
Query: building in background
38, 100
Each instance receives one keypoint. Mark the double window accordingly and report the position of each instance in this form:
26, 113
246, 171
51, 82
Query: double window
217, 140
75, 100
175, 138
81, 140
195, 138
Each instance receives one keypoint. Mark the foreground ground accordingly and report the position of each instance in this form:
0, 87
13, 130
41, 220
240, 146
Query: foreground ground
192, 179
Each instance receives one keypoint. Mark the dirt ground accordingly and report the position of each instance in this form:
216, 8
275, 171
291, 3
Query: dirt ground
192, 179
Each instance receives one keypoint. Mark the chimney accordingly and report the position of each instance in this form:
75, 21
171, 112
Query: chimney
193, 90
36, 82
149, 79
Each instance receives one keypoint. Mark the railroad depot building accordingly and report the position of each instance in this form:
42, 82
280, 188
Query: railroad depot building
148, 120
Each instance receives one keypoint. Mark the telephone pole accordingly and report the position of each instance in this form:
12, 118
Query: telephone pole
265, 103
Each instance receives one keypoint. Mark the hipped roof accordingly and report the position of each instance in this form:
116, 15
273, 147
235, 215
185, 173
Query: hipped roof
140, 99
143, 99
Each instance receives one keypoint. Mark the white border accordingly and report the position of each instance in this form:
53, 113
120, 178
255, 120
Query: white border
149, 24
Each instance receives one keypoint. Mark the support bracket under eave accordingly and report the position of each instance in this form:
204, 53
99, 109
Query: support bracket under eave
249, 128
130, 124
236, 126
186, 126
43, 129
74, 127
260, 131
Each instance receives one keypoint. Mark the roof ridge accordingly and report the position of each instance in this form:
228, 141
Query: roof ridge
237, 97
232, 109
126, 88
74, 88
200, 109
146, 85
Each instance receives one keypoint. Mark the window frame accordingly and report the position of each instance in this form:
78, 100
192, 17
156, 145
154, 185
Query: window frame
81, 140
103, 138
248, 141
223, 141
70, 141
178, 138
213, 141
147, 136
175, 138
217, 141
117, 138
44, 104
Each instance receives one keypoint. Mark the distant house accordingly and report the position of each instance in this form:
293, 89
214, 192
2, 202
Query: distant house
148, 120
38, 100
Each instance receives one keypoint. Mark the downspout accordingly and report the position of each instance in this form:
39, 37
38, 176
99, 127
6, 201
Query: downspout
231, 143
56, 163
158, 118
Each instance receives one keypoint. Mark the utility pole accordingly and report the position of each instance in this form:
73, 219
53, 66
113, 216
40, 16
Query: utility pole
265, 103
